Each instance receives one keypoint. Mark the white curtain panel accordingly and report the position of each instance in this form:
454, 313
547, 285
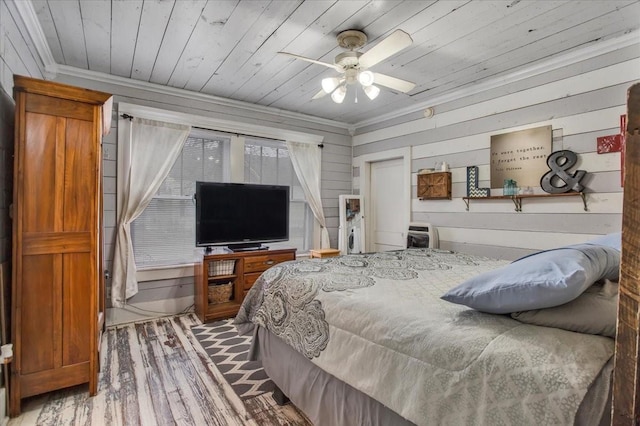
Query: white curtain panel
151, 149
306, 159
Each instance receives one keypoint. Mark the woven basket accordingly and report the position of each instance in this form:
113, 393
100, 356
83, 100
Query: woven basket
221, 267
220, 293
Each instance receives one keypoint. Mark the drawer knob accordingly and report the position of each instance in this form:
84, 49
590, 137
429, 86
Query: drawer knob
269, 262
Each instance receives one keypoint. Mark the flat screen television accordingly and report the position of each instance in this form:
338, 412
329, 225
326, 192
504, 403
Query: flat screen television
241, 216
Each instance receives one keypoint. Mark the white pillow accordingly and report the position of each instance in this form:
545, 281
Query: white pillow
593, 312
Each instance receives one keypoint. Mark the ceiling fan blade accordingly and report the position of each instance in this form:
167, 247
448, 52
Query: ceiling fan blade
313, 61
320, 94
392, 82
391, 45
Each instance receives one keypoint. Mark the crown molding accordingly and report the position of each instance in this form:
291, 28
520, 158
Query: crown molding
195, 96
570, 58
30, 20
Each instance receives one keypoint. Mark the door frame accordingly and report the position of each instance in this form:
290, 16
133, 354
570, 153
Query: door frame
363, 162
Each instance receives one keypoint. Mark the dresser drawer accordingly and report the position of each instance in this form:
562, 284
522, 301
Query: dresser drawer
249, 279
262, 263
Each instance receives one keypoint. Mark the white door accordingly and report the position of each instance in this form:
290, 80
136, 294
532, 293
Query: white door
387, 205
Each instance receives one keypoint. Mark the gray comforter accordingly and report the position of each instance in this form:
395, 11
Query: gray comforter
376, 322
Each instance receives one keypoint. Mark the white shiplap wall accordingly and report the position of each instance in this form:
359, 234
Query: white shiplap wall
172, 295
17, 56
581, 102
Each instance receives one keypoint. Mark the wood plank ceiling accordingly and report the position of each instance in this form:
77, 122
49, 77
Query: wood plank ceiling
228, 48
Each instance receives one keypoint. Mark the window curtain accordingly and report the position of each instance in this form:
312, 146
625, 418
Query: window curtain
306, 159
149, 153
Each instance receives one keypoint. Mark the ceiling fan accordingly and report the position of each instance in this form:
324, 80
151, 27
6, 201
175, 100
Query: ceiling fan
354, 66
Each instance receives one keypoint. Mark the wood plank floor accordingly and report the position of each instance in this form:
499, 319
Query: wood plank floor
155, 373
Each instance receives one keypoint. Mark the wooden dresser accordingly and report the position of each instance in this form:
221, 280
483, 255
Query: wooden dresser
222, 280
57, 289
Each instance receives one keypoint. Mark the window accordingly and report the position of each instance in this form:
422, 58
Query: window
164, 234
267, 162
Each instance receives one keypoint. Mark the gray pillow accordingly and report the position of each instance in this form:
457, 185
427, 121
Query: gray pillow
541, 280
593, 312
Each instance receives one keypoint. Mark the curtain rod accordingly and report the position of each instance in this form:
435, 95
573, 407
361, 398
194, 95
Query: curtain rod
130, 117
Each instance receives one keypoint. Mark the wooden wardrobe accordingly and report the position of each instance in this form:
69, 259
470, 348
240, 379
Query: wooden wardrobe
57, 289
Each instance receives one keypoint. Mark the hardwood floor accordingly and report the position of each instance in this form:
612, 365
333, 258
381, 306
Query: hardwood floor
155, 373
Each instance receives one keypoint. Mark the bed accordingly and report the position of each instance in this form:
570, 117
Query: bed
368, 339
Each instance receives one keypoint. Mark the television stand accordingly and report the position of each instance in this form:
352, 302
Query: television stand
223, 279
246, 247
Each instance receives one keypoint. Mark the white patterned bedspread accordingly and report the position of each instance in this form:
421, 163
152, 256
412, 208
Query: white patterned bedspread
376, 322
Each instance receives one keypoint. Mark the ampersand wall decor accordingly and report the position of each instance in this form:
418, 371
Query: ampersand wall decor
558, 180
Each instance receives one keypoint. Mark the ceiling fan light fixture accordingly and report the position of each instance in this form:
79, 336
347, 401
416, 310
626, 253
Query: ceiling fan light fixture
372, 92
365, 78
339, 94
354, 65
329, 84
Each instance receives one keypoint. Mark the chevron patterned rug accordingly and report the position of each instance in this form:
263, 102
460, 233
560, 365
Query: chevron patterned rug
228, 351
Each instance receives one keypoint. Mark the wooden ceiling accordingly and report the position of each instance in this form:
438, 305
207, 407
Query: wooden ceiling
229, 48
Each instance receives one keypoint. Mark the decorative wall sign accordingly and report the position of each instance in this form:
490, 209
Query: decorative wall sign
520, 156
560, 162
472, 184
614, 143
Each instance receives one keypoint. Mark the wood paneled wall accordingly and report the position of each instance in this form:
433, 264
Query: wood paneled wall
336, 172
581, 102
20, 58
17, 54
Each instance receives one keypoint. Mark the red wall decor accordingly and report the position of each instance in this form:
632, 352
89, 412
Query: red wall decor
614, 143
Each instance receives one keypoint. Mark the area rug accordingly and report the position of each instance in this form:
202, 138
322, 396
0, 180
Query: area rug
229, 352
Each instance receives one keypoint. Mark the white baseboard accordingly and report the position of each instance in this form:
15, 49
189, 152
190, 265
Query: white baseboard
148, 310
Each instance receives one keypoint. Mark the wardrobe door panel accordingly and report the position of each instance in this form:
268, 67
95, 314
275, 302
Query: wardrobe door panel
40, 331
76, 311
80, 177
42, 153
